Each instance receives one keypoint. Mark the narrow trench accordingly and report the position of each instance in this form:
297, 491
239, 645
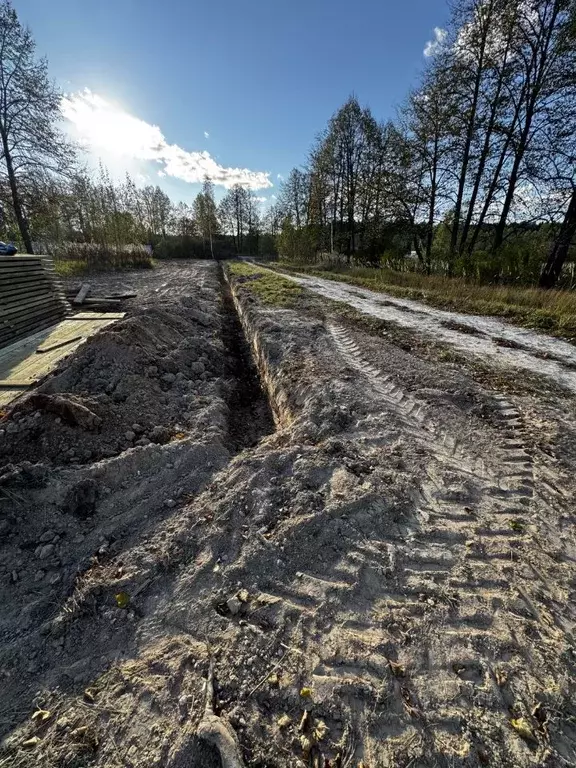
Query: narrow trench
250, 414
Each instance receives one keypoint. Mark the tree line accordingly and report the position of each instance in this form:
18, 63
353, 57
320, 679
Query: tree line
476, 175
47, 198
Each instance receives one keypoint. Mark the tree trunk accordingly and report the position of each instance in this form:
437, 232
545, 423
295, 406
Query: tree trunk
467, 146
484, 155
17, 205
513, 181
538, 69
491, 192
432, 209
559, 251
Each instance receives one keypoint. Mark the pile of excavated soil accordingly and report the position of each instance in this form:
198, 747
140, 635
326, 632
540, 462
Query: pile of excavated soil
384, 581
131, 426
150, 378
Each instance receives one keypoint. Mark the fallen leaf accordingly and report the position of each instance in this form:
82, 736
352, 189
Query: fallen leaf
122, 599
89, 695
273, 679
41, 715
31, 742
306, 693
522, 726
501, 677
306, 745
320, 730
283, 721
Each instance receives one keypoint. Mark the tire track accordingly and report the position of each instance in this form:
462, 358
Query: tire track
516, 463
459, 562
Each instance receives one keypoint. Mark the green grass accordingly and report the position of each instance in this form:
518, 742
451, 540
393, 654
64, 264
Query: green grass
552, 311
269, 287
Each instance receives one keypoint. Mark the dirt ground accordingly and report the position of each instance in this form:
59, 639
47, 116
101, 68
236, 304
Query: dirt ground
373, 553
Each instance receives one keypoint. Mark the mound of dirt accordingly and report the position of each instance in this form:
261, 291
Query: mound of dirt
150, 378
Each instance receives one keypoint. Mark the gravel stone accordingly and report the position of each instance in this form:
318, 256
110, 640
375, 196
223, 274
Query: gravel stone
46, 551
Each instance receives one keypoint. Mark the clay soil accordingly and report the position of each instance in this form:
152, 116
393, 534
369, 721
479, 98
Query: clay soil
368, 542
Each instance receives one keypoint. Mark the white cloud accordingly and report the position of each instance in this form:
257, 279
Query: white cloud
100, 125
206, 135
434, 46
280, 177
261, 199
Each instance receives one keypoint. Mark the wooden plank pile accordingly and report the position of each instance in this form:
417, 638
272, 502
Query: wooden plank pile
82, 297
31, 297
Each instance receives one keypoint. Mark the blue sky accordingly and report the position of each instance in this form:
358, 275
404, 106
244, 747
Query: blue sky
261, 78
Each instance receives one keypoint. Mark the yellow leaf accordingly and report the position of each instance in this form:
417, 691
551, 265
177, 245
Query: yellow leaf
283, 721
306, 744
122, 599
501, 677
41, 715
522, 726
306, 693
320, 730
89, 695
31, 742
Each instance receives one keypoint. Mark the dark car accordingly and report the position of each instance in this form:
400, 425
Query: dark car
7, 249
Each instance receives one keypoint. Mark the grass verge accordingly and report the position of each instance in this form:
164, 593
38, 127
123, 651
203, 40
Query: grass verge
551, 311
269, 287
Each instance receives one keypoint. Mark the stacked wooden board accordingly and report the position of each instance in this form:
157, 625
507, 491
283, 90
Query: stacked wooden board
26, 361
31, 297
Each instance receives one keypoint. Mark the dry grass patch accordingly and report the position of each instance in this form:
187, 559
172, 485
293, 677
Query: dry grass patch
551, 311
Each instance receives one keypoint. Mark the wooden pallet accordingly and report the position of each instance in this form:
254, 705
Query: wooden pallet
31, 297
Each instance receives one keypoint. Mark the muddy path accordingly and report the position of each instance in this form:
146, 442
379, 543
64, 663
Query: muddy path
374, 552
500, 343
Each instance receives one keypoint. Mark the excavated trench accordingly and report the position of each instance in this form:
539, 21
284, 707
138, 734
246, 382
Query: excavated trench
251, 416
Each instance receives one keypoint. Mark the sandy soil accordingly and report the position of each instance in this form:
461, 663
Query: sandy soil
382, 575
501, 343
